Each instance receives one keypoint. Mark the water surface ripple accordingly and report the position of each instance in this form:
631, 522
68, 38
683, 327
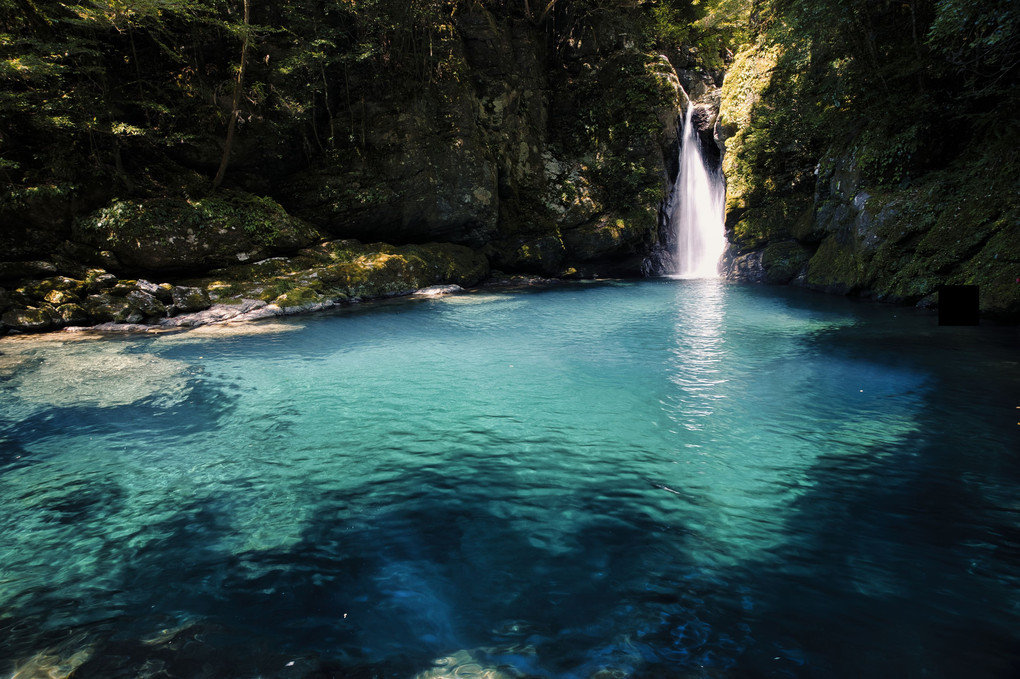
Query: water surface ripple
653, 479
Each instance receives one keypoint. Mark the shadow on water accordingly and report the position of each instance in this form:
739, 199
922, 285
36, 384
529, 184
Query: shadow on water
904, 566
905, 560
199, 413
902, 560
385, 595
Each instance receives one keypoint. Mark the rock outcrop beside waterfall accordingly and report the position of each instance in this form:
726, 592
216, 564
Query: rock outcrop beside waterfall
817, 197
534, 158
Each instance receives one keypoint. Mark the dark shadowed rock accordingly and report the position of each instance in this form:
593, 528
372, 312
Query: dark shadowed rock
32, 320
107, 308
145, 303
178, 235
11, 271
188, 299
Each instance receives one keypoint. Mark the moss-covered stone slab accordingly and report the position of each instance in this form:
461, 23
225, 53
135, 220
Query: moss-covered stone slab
188, 299
31, 320
337, 271
169, 235
782, 262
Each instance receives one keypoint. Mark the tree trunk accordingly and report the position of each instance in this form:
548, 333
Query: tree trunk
236, 107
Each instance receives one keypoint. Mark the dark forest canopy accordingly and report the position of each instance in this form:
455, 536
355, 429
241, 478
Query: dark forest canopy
90, 87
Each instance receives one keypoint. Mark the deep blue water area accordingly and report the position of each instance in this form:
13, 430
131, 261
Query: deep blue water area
635, 479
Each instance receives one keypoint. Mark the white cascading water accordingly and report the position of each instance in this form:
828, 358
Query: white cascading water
699, 198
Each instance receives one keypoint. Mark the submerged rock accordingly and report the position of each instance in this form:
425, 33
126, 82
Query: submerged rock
438, 290
67, 373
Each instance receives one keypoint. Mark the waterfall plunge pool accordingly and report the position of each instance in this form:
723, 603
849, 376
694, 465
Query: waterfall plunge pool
644, 479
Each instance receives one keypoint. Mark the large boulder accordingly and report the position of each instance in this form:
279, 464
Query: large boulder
31, 320
178, 235
146, 303
106, 308
188, 299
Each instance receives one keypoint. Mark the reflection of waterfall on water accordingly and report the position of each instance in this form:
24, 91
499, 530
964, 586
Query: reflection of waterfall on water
698, 210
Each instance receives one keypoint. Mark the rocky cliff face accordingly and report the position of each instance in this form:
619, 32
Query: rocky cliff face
840, 208
548, 170
538, 157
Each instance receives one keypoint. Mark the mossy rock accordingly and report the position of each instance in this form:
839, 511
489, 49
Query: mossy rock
188, 299
836, 267
173, 235
544, 255
105, 308
609, 234
996, 269
380, 269
58, 297
40, 289
73, 314
339, 270
747, 78
778, 220
32, 320
300, 297
783, 262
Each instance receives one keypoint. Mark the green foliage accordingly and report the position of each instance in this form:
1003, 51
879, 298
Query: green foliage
89, 90
262, 219
889, 159
978, 38
615, 110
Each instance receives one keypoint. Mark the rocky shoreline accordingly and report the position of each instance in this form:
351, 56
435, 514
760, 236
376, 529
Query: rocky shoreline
100, 302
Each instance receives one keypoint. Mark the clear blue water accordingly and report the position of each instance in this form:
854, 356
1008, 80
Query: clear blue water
647, 479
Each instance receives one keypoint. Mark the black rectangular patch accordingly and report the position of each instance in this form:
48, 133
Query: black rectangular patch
959, 305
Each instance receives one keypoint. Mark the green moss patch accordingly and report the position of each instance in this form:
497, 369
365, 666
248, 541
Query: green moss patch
166, 234
339, 270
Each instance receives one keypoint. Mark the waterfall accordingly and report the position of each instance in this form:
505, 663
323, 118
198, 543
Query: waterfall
698, 213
